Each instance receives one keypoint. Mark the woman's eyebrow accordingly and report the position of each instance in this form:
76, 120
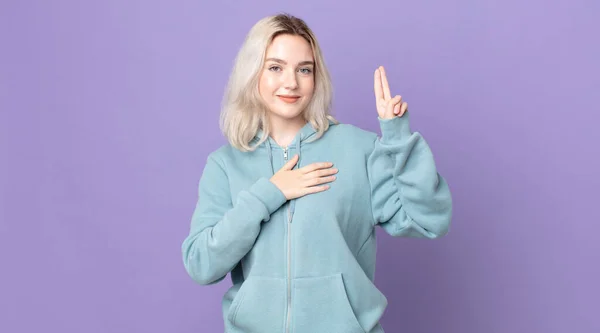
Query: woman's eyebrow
307, 62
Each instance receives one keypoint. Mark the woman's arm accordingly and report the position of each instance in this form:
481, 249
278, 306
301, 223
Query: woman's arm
221, 232
408, 196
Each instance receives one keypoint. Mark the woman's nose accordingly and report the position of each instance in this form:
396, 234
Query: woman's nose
289, 80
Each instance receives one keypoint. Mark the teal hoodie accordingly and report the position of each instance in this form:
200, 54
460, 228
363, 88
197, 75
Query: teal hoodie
307, 265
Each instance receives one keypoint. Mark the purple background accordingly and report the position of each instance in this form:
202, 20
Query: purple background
109, 109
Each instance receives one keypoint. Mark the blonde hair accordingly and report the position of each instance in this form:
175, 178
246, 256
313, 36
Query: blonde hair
243, 113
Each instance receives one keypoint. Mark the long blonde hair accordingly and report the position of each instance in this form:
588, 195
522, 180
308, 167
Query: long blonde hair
243, 113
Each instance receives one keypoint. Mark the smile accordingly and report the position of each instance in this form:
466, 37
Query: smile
289, 99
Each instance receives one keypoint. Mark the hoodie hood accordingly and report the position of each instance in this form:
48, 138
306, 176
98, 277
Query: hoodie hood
305, 133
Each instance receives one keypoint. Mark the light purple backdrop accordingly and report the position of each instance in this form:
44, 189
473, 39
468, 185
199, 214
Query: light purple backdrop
109, 109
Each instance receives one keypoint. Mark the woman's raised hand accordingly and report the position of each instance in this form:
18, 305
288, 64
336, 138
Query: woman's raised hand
387, 107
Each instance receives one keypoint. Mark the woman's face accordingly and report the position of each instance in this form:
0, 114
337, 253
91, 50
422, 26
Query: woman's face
287, 82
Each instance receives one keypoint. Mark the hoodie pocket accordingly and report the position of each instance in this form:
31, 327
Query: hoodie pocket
320, 304
259, 305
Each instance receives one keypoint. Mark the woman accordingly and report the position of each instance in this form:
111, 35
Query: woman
289, 206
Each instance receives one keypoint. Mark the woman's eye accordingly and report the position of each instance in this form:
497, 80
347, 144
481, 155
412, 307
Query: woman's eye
305, 70
274, 68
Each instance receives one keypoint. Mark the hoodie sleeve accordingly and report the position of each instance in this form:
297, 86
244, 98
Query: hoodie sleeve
222, 232
409, 197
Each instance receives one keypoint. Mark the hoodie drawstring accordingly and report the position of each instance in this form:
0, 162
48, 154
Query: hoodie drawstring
270, 156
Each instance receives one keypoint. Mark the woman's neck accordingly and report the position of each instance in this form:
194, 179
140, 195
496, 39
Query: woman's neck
283, 131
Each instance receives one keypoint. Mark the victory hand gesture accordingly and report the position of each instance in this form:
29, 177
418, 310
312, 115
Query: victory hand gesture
387, 107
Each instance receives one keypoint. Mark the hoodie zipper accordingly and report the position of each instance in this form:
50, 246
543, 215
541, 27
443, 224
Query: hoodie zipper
289, 258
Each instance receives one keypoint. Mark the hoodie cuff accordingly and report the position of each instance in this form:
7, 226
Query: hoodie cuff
395, 129
268, 194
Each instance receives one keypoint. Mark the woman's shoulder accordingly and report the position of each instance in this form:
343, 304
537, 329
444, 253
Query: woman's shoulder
227, 154
222, 153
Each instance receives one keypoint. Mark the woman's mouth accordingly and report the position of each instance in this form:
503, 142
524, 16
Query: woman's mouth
289, 99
